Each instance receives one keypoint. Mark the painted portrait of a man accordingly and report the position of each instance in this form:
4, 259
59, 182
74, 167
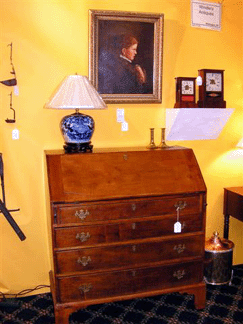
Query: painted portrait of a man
124, 66
125, 57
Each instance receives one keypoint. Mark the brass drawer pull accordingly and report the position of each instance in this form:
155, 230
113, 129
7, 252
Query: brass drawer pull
125, 157
179, 274
84, 260
82, 214
83, 237
85, 288
180, 204
180, 248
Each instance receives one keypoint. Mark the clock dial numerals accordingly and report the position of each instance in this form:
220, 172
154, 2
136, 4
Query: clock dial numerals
187, 87
213, 82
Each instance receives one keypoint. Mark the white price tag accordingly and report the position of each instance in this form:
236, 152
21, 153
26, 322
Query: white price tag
177, 227
15, 134
124, 126
120, 115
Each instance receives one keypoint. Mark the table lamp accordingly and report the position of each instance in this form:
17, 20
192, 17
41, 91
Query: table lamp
76, 92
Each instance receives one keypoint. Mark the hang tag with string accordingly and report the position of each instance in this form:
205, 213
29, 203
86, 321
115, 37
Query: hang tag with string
177, 225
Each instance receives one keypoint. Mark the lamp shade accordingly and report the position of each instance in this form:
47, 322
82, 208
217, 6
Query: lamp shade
76, 92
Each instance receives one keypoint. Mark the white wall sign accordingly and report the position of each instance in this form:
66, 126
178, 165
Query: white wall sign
206, 15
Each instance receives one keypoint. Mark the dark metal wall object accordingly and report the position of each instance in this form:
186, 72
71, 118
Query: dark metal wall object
13, 81
3, 208
2, 178
11, 107
10, 83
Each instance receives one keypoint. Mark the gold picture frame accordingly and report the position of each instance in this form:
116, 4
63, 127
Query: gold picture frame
126, 55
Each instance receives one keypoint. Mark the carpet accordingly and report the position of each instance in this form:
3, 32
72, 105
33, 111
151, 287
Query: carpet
224, 305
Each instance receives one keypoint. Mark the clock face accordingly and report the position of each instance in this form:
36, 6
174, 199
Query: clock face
187, 87
214, 82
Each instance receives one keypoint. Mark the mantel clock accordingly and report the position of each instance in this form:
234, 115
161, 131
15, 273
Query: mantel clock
211, 92
185, 92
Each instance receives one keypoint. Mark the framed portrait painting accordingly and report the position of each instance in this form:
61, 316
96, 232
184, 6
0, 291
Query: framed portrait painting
125, 56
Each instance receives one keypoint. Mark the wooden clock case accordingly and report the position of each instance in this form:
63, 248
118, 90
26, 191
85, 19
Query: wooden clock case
211, 98
185, 97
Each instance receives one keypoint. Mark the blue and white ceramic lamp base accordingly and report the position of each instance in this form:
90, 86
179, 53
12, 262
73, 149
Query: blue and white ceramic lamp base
77, 130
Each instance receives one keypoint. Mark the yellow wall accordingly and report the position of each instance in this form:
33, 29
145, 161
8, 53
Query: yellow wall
50, 41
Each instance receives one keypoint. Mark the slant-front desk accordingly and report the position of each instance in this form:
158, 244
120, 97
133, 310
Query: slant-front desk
113, 226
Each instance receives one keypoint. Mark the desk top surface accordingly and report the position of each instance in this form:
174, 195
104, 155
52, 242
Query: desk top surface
237, 190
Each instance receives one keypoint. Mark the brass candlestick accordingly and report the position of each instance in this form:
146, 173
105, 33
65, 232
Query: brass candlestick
152, 145
163, 145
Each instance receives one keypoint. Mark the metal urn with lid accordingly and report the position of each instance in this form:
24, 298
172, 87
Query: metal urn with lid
218, 260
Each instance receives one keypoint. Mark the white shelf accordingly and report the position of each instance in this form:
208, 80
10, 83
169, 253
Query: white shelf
195, 123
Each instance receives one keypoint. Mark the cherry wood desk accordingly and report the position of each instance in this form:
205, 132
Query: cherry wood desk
233, 206
112, 220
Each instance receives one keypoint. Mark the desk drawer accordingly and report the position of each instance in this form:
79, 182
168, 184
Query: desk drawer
87, 235
126, 255
104, 211
78, 236
119, 283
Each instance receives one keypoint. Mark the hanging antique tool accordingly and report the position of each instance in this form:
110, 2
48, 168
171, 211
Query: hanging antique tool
13, 81
3, 208
11, 107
